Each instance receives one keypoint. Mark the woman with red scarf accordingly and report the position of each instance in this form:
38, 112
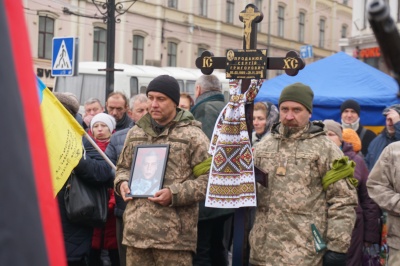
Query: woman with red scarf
104, 238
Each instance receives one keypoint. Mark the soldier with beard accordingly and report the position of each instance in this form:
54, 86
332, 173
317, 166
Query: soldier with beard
308, 203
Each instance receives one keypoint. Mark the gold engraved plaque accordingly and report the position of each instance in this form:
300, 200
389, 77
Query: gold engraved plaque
246, 64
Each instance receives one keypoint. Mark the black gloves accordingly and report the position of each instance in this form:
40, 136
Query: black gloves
332, 258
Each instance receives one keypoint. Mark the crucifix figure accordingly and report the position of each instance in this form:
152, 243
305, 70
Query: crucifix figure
249, 17
232, 173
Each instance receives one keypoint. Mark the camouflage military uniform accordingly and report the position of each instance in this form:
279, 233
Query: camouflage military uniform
150, 225
295, 199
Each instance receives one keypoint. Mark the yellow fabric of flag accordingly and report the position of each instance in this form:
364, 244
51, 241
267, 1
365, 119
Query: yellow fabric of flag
63, 137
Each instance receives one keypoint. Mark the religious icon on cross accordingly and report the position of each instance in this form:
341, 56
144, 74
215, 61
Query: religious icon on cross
249, 16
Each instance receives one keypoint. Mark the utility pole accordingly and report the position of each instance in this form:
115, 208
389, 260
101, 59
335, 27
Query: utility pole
110, 50
109, 10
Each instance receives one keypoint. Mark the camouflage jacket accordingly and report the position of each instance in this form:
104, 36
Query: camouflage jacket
384, 188
294, 199
150, 225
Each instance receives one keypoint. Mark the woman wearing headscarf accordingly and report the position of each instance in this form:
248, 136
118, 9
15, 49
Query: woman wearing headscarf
265, 114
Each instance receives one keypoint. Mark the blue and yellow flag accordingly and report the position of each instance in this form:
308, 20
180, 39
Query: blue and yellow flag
63, 136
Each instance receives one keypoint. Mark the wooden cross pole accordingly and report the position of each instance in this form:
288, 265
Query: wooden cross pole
246, 64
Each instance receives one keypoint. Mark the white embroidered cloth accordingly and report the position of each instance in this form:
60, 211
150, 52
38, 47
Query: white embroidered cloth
231, 182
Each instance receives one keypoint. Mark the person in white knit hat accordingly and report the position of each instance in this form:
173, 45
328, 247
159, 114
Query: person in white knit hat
102, 126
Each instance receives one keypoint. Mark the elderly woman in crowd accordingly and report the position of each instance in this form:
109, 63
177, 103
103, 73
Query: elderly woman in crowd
265, 114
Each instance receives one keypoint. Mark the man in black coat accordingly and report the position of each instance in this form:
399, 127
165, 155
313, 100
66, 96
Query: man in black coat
350, 114
117, 105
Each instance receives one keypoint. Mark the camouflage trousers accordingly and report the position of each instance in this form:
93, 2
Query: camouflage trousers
157, 257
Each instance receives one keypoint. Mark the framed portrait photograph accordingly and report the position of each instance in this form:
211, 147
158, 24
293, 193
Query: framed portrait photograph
148, 170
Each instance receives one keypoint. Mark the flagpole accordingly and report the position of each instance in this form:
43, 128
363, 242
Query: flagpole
99, 150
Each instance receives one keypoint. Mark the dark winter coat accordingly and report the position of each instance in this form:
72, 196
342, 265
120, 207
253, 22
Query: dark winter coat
366, 139
125, 122
93, 169
367, 227
105, 237
379, 143
113, 151
207, 111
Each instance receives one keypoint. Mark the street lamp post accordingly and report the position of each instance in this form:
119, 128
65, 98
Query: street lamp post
108, 11
110, 48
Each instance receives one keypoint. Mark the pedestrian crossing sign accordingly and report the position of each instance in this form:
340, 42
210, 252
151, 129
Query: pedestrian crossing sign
63, 56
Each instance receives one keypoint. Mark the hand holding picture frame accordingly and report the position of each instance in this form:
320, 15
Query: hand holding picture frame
148, 170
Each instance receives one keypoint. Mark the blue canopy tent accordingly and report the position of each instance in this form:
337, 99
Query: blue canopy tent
335, 79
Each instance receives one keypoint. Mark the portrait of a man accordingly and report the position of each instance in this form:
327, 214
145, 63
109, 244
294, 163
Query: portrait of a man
148, 171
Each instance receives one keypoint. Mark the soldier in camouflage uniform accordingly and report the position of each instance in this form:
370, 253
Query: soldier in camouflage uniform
162, 230
297, 155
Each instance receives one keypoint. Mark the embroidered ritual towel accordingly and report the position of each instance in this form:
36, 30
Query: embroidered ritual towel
231, 182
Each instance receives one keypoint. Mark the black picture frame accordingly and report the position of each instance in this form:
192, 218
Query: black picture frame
148, 170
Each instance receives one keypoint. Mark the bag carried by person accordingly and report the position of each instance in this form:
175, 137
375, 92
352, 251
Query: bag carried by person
85, 204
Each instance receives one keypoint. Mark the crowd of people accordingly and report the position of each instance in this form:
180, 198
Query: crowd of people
330, 197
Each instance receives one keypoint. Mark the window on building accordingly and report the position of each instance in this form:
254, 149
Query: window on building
172, 52
46, 34
258, 4
173, 3
365, 18
345, 2
281, 20
302, 24
343, 33
138, 50
99, 44
200, 50
321, 32
230, 4
203, 8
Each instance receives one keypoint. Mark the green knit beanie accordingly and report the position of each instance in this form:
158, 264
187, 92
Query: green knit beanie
300, 93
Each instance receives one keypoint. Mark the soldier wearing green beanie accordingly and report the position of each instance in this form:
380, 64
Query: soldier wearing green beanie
298, 92
308, 205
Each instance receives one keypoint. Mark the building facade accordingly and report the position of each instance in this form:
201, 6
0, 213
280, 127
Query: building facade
362, 43
176, 32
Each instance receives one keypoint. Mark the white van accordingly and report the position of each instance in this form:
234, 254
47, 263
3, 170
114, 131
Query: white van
133, 79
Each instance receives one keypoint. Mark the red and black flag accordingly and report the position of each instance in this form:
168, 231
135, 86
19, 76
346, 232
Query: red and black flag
30, 228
